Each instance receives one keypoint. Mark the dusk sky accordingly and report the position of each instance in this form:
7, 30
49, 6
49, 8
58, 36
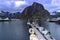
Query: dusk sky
19, 5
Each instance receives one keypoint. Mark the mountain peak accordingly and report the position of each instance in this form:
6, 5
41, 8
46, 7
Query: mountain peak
38, 5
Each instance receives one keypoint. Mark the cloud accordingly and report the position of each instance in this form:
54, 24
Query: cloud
11, 5
55, 2
11, 0
19, 3
50, 5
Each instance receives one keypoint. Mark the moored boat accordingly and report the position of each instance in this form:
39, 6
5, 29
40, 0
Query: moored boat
41, 32
6, 19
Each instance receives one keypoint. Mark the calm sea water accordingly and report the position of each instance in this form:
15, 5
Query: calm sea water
54, 28
14, 30
18, 30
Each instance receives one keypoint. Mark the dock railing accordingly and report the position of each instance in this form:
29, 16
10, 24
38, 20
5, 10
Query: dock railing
42, 35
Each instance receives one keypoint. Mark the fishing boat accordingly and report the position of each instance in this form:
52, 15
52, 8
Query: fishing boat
56, 20
40, 32
6, 19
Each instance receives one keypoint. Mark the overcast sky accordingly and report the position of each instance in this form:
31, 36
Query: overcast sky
18, 5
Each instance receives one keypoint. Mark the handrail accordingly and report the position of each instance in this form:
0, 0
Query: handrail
39, 33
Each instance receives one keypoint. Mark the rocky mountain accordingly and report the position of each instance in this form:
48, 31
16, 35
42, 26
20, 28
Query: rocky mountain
35, 11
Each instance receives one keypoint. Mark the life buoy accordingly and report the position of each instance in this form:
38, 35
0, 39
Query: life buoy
31, 31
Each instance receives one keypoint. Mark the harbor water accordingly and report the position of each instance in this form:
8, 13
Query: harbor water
52, 27
14, 30
18, 30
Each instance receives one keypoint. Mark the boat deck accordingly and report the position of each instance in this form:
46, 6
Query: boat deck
39, 34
